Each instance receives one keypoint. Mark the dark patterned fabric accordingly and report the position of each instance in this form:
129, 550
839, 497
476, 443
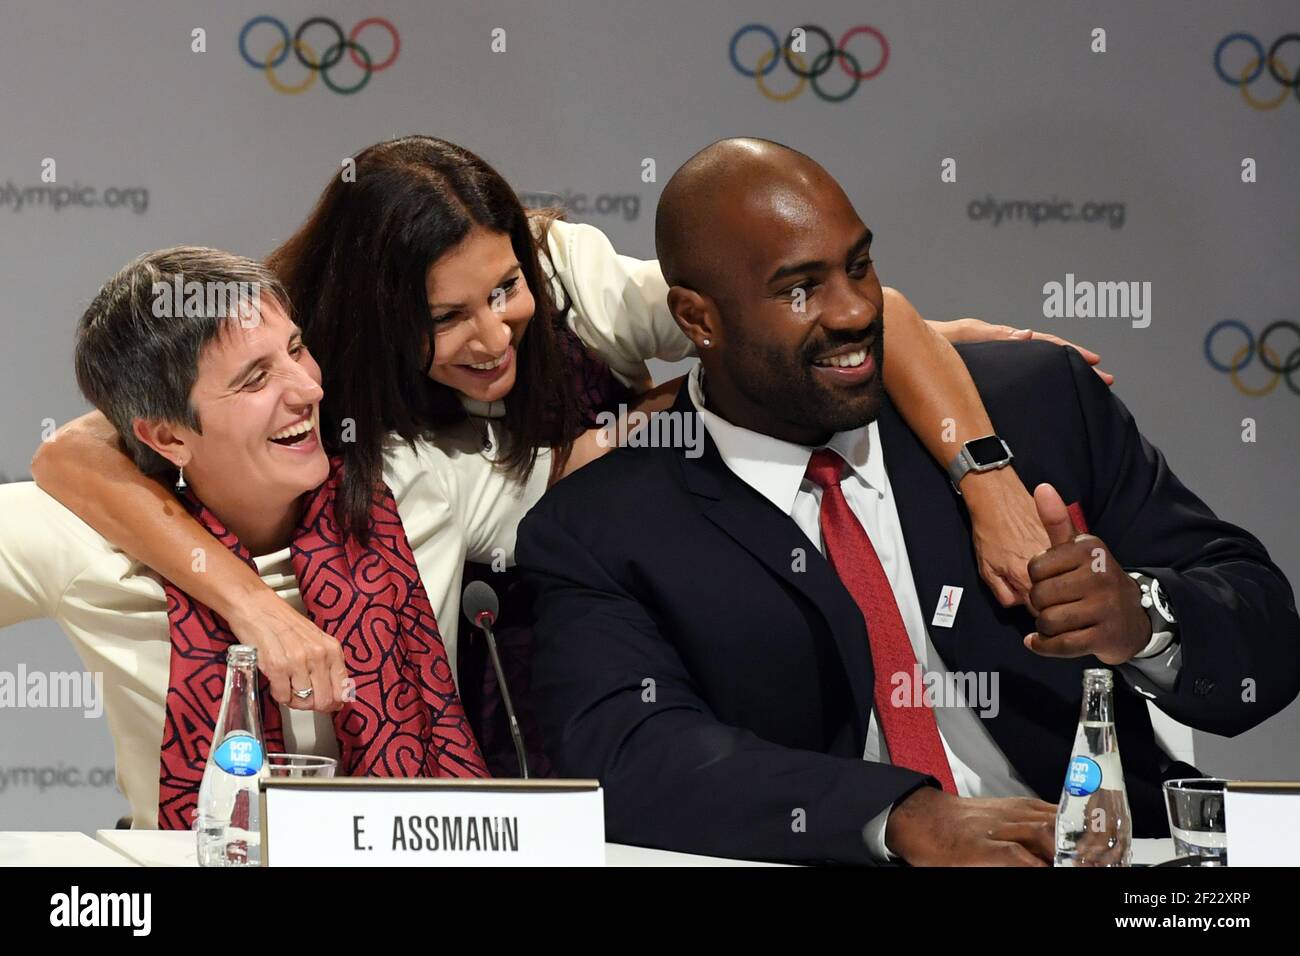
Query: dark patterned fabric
598, 389
406, 719
478, 679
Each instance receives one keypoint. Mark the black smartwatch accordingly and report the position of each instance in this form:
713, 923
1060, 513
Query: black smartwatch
978, 454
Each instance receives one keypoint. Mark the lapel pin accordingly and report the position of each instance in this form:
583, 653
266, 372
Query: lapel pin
949, 601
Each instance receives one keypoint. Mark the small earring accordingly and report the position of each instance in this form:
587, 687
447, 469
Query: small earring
705, 342
180, 479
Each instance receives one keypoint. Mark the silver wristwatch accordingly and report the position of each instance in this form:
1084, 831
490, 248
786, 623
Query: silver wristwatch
1164, 626
978, 454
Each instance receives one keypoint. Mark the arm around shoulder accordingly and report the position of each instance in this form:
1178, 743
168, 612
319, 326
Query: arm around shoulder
619, 303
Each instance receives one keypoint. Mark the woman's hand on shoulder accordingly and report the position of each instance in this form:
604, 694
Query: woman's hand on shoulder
977, 330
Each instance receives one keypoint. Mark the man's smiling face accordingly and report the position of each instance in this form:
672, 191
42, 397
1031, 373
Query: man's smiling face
801, 309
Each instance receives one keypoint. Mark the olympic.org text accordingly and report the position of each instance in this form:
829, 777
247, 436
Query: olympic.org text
57, 690
57, 776
1039, 211
56, 197
628, 205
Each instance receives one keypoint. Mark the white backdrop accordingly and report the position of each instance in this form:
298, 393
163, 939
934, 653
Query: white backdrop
583, 92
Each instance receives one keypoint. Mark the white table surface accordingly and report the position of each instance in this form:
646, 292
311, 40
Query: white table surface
176, 848
53, 848
1151, 852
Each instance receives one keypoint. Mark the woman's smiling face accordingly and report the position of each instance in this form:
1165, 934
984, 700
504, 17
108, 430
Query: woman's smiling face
480, 305
257, 396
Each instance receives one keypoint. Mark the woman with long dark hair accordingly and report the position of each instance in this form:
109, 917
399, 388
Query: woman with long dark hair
433, 300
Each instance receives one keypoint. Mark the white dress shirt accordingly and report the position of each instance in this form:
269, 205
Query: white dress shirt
776, 470
454, 505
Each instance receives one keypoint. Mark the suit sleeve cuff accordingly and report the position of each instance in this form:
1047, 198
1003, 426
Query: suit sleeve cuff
1155, 668
1158, 674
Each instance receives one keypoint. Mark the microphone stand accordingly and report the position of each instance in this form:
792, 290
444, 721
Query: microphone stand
484, 620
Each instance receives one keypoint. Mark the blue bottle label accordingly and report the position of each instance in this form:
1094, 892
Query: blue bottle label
1083, 777
239, 754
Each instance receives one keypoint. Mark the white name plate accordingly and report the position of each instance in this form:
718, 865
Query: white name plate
368, 821
1263, 823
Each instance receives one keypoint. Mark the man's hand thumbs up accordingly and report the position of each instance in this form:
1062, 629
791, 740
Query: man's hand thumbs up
1052, 512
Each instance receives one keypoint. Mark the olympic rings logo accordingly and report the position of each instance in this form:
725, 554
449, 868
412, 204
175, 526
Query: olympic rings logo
795, 61
1254, 69
307, 56
1268, 357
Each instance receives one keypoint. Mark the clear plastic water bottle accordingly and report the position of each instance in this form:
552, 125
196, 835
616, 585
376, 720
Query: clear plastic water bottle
1093, 823
229, 831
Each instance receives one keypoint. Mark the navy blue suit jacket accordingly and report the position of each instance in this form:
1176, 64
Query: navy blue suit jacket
722, 696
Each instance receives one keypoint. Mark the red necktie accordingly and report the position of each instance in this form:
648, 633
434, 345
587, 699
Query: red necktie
911, 733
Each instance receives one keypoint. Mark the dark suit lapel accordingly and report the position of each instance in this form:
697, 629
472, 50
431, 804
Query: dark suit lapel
775, 540
934, 527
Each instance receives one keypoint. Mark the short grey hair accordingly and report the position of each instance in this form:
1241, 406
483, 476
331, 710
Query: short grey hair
135, 360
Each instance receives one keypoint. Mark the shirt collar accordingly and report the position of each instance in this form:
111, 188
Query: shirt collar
479, 409
775, 468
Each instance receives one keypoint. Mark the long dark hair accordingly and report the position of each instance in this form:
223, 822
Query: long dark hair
355, 274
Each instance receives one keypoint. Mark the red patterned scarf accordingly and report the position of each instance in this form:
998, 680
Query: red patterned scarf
407, 719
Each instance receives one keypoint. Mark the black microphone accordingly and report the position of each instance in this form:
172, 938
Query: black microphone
480, 605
